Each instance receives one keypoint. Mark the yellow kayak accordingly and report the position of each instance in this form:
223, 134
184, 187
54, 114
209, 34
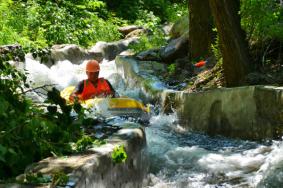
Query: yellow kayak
111, 106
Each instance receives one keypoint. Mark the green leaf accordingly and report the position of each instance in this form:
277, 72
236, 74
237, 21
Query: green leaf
119, 154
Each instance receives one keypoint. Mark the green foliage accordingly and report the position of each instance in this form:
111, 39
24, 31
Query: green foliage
176, 10
262, 19
10, 22
171, 69
28, 132
215, 47
38, 24
132, 10
59, 178
119, 154
36, 178
126, 9
156, 40
147, 19
84, 143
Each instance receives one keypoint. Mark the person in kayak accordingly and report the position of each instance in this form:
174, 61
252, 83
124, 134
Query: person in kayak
93, 86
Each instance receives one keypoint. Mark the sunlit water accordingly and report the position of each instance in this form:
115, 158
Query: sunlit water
179, 159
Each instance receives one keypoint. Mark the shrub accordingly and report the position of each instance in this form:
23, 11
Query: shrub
119, 154
30, 132
262, 19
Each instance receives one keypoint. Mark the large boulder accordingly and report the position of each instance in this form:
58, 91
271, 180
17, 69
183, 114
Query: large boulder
177, 48
166, 28
110, 50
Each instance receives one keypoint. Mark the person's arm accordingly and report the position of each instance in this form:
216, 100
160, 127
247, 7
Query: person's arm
78, 90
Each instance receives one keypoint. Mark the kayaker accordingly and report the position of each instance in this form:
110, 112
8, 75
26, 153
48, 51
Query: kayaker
93, 86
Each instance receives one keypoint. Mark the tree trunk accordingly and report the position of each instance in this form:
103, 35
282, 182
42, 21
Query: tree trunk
200, 29
234, 47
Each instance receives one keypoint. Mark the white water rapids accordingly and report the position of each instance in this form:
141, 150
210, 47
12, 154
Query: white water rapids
179, 159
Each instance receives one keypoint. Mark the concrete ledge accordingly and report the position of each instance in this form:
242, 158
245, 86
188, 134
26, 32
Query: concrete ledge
252, 112
95, 168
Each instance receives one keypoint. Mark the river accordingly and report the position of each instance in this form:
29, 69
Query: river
177, 158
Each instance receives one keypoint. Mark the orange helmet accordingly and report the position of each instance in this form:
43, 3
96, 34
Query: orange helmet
92, 66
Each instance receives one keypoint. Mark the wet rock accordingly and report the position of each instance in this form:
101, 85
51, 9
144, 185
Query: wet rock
149, 55
138, 76
184, 63
177, 48
110, 50
166, 28
73, 53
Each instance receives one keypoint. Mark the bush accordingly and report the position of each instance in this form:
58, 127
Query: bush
119, 154
262, 19
30, 132
38, 24
149, 42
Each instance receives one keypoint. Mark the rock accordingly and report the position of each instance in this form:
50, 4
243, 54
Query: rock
149, 55
177, 48
180, 27
95, 167
73, 53
129, 28
138, 76
166, 28
12, 52
110, 50
137, 33
128, 52
185, 64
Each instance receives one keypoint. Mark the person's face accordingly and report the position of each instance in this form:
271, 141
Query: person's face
92, 76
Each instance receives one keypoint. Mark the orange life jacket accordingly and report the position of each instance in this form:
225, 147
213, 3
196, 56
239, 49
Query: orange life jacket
102, 89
